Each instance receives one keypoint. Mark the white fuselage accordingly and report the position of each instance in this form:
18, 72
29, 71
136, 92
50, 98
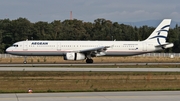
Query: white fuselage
80, 50
59, 48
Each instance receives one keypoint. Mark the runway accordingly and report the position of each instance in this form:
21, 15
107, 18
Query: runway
95, 96
68, 67
90, 69
94, 64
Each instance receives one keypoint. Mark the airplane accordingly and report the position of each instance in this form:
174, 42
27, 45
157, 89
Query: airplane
86, 50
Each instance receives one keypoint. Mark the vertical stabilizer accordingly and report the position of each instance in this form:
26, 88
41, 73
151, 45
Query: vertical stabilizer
159, 35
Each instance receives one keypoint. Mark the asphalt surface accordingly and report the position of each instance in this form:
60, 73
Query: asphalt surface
94, 64
95, 96
90, 69
67, 67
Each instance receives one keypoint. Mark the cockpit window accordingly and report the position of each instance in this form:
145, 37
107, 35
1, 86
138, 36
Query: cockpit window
15, 45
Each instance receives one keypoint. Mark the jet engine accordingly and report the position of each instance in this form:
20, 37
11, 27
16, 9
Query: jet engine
74, 56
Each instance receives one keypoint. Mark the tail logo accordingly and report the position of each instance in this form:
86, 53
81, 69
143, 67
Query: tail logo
159, 34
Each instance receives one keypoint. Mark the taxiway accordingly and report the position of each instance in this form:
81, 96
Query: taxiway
95, 96
90, 69
82, 64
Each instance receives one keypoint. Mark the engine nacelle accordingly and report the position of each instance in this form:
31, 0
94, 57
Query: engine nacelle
74, 56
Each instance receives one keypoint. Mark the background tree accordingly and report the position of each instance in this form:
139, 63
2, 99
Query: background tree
56, 30
20, 29
42, 31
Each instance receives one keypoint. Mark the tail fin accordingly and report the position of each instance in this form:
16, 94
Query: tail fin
159, 35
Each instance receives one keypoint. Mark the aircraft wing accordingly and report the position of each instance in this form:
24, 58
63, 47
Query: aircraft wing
94, 51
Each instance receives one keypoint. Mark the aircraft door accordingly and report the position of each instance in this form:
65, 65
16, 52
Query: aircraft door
58, 46
25, 45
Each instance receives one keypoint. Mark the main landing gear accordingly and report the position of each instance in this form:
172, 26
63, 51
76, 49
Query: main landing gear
89, 60
25, 60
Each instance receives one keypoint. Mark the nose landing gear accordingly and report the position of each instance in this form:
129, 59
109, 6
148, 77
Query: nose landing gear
25, 60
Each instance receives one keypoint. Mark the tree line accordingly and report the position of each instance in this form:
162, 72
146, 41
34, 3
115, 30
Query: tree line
20, 29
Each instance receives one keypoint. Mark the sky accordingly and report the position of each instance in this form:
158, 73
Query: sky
89, 10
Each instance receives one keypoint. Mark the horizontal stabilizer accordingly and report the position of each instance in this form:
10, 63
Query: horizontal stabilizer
167, 45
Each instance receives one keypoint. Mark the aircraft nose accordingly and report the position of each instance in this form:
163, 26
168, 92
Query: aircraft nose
8, 50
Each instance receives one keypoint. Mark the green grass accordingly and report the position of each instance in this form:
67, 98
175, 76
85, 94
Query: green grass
11, 82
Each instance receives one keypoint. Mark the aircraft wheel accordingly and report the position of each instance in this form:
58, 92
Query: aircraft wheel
25, 62
89, 60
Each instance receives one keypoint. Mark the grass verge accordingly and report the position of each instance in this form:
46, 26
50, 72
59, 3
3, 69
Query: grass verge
20, 82
106, 59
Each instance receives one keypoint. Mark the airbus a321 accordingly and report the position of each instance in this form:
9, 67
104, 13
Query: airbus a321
86, 50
